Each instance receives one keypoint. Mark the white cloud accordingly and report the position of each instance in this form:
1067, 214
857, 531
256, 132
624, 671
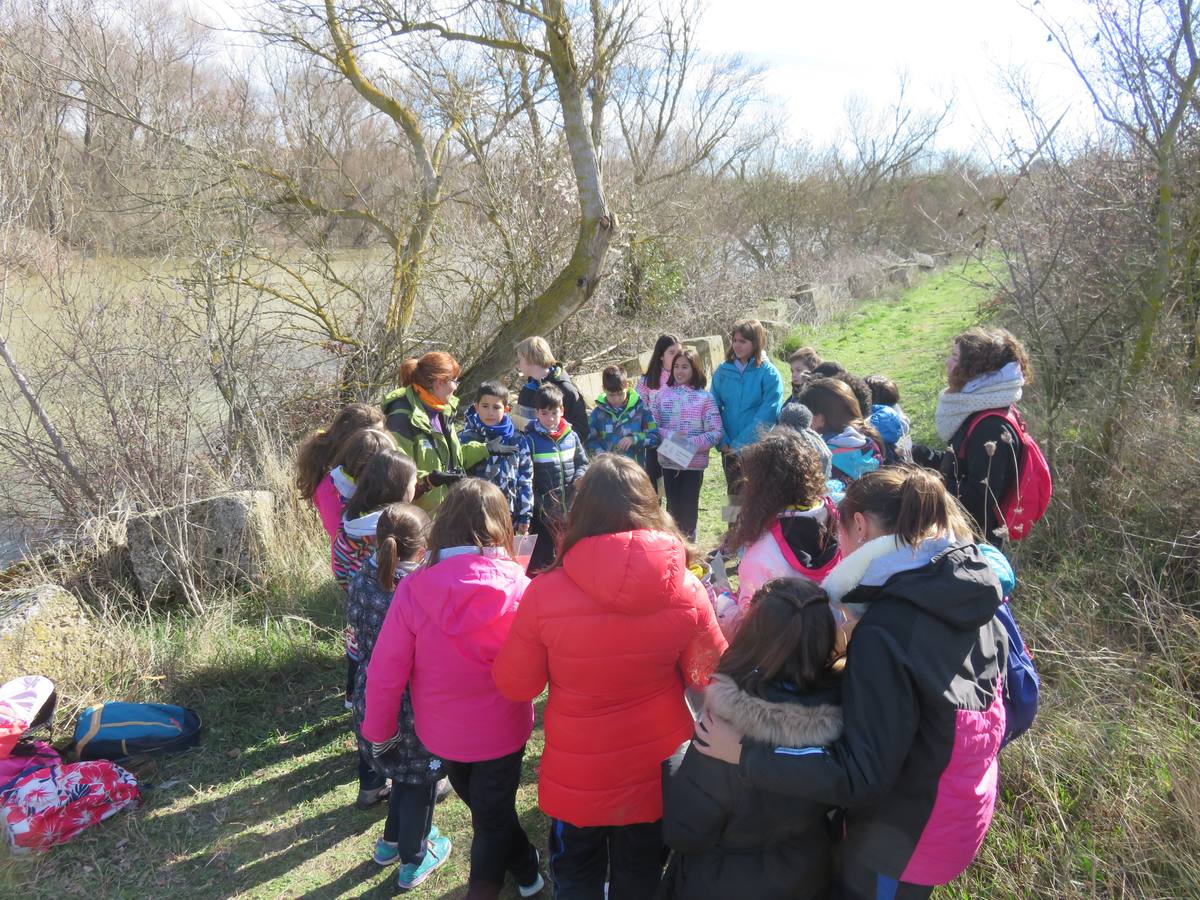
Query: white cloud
821, 52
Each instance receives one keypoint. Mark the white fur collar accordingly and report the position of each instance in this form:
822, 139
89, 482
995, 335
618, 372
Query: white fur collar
848, 573
792, 724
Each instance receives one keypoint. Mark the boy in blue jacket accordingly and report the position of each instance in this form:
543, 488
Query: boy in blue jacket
488, 419
621, 422
559, 461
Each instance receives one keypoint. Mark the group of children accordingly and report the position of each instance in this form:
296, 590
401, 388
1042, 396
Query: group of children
808, 739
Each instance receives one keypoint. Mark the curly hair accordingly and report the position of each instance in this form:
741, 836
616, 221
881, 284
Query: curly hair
983, 350
781, 470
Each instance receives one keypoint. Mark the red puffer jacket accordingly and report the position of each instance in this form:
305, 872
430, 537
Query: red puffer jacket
618, 631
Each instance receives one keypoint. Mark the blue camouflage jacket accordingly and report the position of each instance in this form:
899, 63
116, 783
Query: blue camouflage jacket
512, 474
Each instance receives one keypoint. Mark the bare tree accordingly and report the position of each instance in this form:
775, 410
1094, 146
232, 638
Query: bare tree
1139, 62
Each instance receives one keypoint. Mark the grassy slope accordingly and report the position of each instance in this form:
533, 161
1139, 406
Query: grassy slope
263, 808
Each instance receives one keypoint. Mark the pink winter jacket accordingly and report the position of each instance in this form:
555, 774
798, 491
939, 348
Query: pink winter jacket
691, 413
329, 504
441, 635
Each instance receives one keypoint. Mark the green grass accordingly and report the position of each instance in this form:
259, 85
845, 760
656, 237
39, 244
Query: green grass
907, 338
1100, 801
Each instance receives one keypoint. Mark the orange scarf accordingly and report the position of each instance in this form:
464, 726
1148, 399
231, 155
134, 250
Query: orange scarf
428, 399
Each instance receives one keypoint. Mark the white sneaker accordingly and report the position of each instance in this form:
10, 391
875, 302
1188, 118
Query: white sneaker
529, 890
535, 886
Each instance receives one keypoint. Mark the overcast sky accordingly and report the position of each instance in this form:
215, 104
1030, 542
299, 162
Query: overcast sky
820, 51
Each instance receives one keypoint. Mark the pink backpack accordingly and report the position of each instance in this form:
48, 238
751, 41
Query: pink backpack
1028, 496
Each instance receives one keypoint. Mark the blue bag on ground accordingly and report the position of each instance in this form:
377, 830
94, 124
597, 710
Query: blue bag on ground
1021, 683
119, 730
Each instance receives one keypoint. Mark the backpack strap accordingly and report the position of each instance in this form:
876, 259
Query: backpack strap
1009, 415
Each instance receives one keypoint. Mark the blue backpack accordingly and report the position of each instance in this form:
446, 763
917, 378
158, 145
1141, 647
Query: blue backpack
1021, 683
119, 730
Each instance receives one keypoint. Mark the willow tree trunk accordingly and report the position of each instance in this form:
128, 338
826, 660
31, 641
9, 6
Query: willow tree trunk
578, 279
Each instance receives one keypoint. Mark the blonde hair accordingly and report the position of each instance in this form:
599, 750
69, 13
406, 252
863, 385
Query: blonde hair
537, 351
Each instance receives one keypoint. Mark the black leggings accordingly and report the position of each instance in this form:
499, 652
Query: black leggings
735, 481
682, 487
499, 843
653, 468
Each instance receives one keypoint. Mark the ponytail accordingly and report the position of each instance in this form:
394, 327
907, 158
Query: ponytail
909, 502
400, 536
315, 455
408, 371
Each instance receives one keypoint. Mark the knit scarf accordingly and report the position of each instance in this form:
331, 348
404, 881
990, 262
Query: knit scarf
428, 399
994, 390
504, 430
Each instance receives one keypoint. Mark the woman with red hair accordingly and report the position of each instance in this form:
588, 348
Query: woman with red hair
419, 413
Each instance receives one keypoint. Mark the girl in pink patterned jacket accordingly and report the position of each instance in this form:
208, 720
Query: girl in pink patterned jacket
686, 414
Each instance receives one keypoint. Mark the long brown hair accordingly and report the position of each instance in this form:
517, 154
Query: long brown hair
983, 350
653, 373
781, 470
615, 495
788, 635
314, 456
475, 513
908, 501
833, 399
429, 368
385, 479
399, 537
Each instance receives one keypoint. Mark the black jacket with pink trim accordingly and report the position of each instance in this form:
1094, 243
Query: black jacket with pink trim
916, 764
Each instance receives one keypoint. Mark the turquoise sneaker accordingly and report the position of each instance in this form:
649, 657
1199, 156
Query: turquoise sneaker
387, 853
437, 852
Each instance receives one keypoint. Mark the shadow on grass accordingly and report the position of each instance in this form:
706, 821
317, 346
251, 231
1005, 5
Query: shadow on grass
271, 786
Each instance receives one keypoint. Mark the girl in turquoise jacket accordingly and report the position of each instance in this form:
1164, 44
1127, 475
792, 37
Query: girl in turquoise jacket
749, 392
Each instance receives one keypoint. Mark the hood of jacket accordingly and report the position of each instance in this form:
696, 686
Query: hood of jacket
632, 399
468, 593
956, 585
630, 571
807, 536
785, 717
889, 422
363, 526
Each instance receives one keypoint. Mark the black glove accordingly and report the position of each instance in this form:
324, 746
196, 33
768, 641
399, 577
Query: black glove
497, 447
437, 479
